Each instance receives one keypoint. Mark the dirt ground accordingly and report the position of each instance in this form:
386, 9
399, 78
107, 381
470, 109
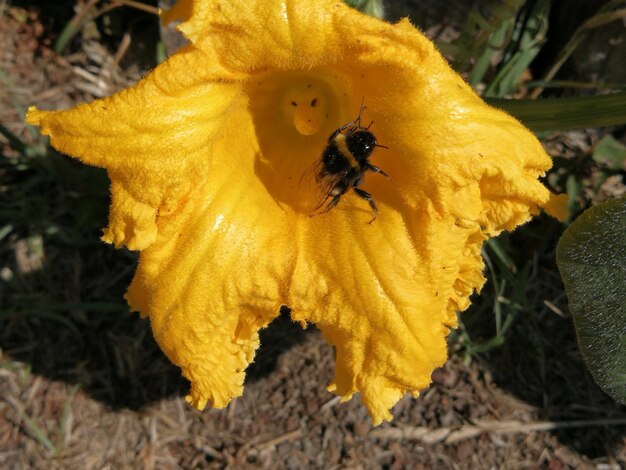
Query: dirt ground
95, 392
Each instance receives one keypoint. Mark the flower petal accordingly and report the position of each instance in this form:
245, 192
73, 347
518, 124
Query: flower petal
154, 139
218, 270
380, 294
558, 207
447, 146
259, 35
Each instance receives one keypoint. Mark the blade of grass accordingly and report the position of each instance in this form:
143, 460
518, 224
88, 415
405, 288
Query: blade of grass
43, 314
482, 38
138, 6
4, 231
566, 113
38, 433
528, 37
495, 246
604, 16
90, 306
65, 415
497, 42
74, 26
369, 7
87, 14
571, 84
14, 142
499, 285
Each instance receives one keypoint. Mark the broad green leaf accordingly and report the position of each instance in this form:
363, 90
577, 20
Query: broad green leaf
611, 153
592, 259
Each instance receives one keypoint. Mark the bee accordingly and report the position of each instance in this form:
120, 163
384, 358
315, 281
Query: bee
343, 164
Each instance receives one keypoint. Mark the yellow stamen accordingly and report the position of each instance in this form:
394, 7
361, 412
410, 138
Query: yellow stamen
307, 104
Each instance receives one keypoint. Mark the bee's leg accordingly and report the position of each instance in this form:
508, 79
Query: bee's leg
333, 202
369, 166
320, 205
344, 127
368, 197
336, 193
336, 132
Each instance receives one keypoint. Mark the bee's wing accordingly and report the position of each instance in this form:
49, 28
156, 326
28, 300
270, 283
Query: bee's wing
317, 185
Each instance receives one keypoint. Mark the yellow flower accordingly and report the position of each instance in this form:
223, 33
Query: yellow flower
206, 155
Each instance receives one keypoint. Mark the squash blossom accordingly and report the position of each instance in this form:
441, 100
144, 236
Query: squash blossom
206, 156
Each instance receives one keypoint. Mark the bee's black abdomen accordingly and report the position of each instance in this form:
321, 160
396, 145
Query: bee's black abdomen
361, 144
334, 161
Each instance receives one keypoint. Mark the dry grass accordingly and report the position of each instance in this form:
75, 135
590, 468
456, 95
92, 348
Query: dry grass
287, 420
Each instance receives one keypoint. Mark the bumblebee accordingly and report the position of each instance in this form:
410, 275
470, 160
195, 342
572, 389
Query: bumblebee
343, 164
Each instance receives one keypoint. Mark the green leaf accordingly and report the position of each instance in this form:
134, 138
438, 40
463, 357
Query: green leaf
610, 152
574, 189
591, 256
528, 37
497, 42
483, 39
556, 114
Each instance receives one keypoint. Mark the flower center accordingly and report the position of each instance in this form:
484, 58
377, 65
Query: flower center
308, 105
293, 115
